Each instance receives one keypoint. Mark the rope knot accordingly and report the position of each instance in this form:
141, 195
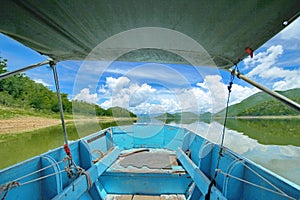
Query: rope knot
229, 86
68, 166
6, 187
221, 152
82, 171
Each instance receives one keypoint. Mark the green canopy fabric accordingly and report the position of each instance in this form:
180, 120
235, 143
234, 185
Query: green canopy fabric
70, 30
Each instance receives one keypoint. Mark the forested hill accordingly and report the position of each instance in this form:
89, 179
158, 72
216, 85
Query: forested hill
19, 91
262, 104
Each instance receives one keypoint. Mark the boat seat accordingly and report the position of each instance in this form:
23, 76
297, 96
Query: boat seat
146, 171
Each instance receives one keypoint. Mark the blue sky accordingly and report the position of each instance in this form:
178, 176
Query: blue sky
151, 88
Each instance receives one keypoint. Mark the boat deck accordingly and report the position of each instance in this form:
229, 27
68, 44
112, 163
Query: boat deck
146, 160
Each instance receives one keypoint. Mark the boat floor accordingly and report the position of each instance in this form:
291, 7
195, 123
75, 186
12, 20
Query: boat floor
145, 197
147, 161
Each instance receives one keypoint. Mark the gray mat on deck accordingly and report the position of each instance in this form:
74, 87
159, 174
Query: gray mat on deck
152, 160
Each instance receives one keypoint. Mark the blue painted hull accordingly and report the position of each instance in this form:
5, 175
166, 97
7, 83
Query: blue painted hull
134, 160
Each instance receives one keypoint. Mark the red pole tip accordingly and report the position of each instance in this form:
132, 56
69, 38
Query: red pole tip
249, 51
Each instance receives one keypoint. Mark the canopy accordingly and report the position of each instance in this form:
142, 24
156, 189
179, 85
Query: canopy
70, 30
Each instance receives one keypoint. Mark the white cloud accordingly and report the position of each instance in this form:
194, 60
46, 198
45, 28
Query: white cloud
292, 80
102, 89
215, 94
124, 94
42, 82
263, 61
116, 84
106, 104
86, 96
140, 94
160, 101
264, 66
171, 105
209, 95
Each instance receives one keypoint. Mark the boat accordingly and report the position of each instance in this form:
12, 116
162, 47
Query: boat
144, 161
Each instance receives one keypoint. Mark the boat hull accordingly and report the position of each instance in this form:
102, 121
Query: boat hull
142, 160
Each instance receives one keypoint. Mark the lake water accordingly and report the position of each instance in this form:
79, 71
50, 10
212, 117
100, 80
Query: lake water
274, 144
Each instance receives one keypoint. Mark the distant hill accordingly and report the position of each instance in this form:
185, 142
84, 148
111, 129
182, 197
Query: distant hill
178, 115
206, 117
262, 104
84, 108
120, 112
182, 117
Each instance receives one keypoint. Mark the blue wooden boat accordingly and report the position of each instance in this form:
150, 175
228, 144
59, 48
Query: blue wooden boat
144, 161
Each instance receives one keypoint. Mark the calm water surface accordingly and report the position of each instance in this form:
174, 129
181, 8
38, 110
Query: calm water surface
274, 144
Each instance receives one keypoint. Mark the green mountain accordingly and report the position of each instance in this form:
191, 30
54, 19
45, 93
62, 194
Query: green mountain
178, 115
262, 104
206, 117
120, 112
182, 117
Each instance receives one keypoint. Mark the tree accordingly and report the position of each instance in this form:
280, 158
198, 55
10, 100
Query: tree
3, 65
2, 70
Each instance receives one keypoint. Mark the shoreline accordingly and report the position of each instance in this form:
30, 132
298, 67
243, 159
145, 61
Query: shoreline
30, 123
260, 117
23, 124
267, 117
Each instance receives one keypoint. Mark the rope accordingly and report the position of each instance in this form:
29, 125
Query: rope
253, 184
6, 187
41, 178
100, 155
213, 181
67, 168
37, 171
257, 174
13, 184
81, 171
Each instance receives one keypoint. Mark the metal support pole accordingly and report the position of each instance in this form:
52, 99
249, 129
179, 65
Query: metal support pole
53, 66
8, 74
276, 95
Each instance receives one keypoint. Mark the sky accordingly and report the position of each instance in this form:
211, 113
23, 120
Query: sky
151, 88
